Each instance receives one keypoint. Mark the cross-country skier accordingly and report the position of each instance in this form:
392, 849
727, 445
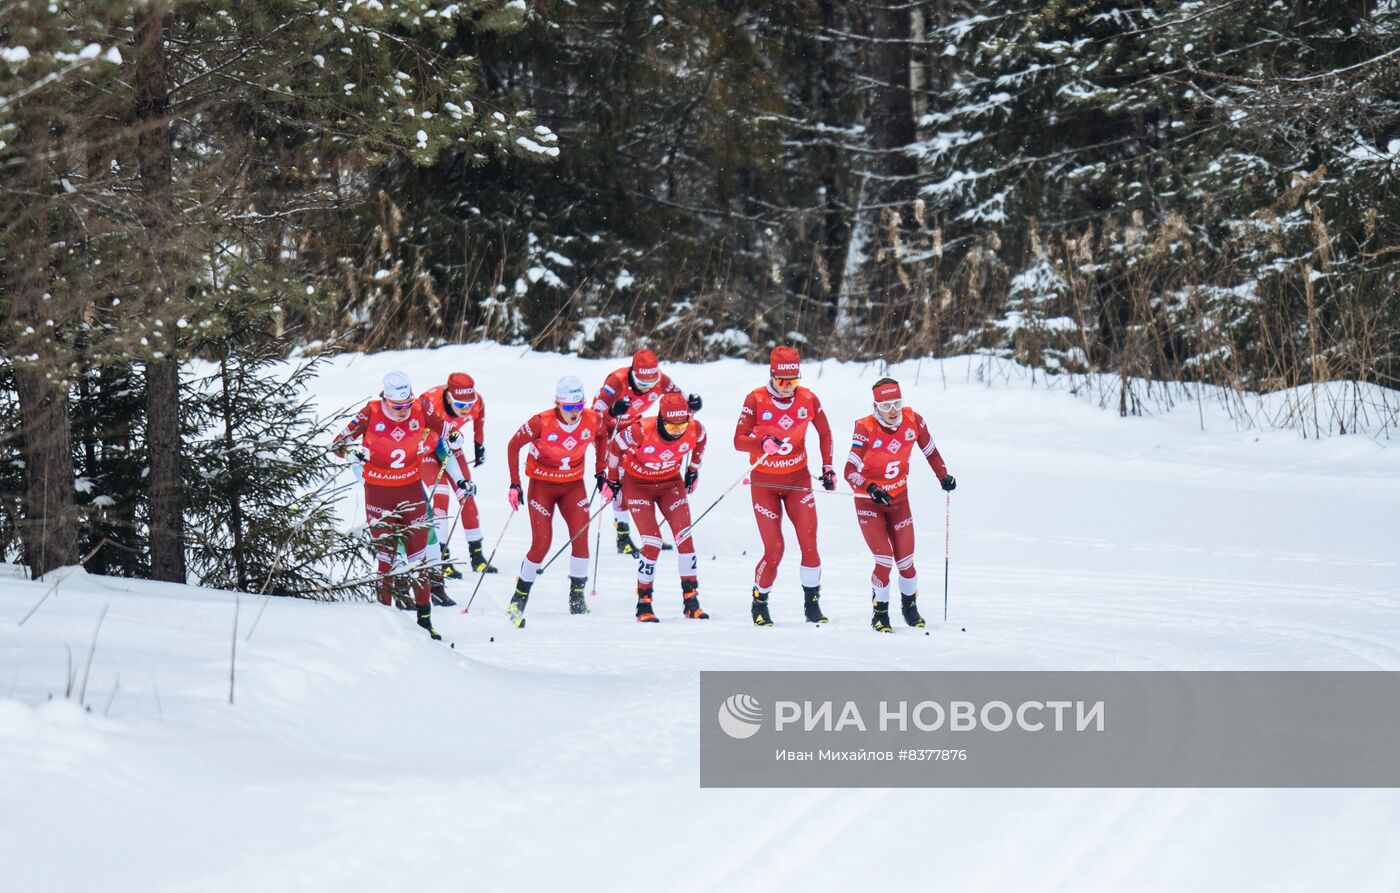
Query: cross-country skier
878, 467
557, 441
395, 436
626, 395
773, 427
649, 454
451, 406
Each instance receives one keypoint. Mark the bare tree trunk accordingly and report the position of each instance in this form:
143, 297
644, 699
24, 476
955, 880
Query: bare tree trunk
48, 526
49, 529
152, 112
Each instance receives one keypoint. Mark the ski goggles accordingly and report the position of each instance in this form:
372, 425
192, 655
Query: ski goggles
463, 404
571, 407
889, 406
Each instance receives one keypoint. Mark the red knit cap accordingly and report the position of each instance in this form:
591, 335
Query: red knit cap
461, 386
675, 408
887, 391
645, 367
784, 362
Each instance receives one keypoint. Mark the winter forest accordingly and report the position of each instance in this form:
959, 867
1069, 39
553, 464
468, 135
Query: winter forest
1146, 203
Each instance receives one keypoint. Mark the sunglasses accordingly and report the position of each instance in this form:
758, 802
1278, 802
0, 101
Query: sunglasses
888, 406
786, 382
463, 404
571, 407
398, 407
675, 426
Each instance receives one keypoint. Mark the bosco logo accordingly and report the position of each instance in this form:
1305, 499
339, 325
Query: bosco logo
740, 716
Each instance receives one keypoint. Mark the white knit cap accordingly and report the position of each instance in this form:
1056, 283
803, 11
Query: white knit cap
569, 390
396, 388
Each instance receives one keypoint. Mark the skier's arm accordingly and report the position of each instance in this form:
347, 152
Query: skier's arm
525, 434
744, 438
352, 431
697, 455
451, 461
855, 459
925, 441
823, 431
618, 445
479, 420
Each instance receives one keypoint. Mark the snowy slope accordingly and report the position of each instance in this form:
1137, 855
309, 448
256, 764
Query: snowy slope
361, 756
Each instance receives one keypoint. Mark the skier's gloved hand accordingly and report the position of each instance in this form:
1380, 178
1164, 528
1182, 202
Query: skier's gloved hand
465, 489
340, 448
611, 489
692, 474
694, 402
480, 455
619, 408
455, 441
949, 483
828, 478
878, 494
770, 444
600, 480
516, 497
360, 455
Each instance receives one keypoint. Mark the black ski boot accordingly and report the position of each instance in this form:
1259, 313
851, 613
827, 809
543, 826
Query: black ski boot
449, 572
576, 603
811, 605
760, 609
478, 560
911, 610
398, 584
438, 591
625, 546
880, 620
644, 612
690, 590
516, 609
425, 620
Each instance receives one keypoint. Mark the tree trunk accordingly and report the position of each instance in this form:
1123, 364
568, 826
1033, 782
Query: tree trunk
49, 528
152, 113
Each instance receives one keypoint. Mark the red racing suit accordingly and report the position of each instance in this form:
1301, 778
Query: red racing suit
439, 490
394, 503
555, 467
651, 468
880, 455
617, 385
782, 482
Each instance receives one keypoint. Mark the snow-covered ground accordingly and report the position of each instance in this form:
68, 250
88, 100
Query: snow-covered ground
359, 755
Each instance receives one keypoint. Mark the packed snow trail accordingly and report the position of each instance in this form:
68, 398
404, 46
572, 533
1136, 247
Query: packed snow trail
360, 755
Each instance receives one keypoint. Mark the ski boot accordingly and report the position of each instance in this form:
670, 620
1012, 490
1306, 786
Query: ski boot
644, 612
911, 610
516, 609
398, 585
760, 609
625, 546
690, 590
438, 592
449, 571
576, 603
425, 620
811, 605
478, 561
880, 620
